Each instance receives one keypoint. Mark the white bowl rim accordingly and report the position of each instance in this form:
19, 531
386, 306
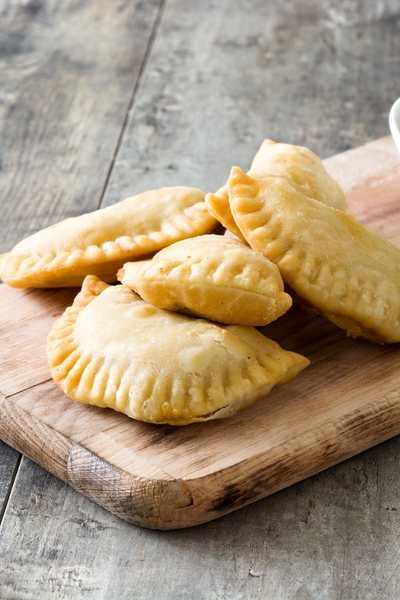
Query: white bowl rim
394, 123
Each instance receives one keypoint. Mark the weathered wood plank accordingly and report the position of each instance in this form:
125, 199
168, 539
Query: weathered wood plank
219, 80
67, 75
68, 71
224, 76
334, 535
9, 461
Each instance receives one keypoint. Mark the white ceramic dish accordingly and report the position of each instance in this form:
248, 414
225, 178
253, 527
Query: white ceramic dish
394, 123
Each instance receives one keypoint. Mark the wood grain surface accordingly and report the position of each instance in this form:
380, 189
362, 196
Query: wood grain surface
166, 477
323, 74
59, 59
9, 464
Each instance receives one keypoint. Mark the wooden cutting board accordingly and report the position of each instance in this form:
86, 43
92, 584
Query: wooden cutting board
166, 477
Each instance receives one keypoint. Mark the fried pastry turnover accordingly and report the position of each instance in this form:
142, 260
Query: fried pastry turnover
100, 242
112, 349
211, 276
298, 164
348, 273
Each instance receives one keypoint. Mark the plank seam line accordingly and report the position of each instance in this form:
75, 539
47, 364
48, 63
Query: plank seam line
136, 87
25, 389
10, 489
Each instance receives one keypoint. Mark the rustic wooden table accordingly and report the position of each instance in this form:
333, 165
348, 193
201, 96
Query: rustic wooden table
99, 100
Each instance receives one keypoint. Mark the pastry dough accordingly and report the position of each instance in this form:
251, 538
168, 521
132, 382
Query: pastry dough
231, 236
100, 242
213, 277
218, 206
350, 274
112, 349
302, 168
299, 165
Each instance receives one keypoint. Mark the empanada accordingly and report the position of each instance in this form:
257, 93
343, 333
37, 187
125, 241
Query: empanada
112, 349
213, 277
302, 167
100, 242
350, 274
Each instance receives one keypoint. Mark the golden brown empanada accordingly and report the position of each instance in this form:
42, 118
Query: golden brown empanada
213, 277
350, 274
303, 168
112, 349
100, 242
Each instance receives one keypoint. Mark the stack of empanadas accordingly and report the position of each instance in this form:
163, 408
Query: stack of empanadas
175, 343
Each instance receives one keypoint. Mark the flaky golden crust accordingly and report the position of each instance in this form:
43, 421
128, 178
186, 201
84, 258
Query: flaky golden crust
304, 170
114, 350
213, 277
298, 164
100, 242
350, 274
218, 206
